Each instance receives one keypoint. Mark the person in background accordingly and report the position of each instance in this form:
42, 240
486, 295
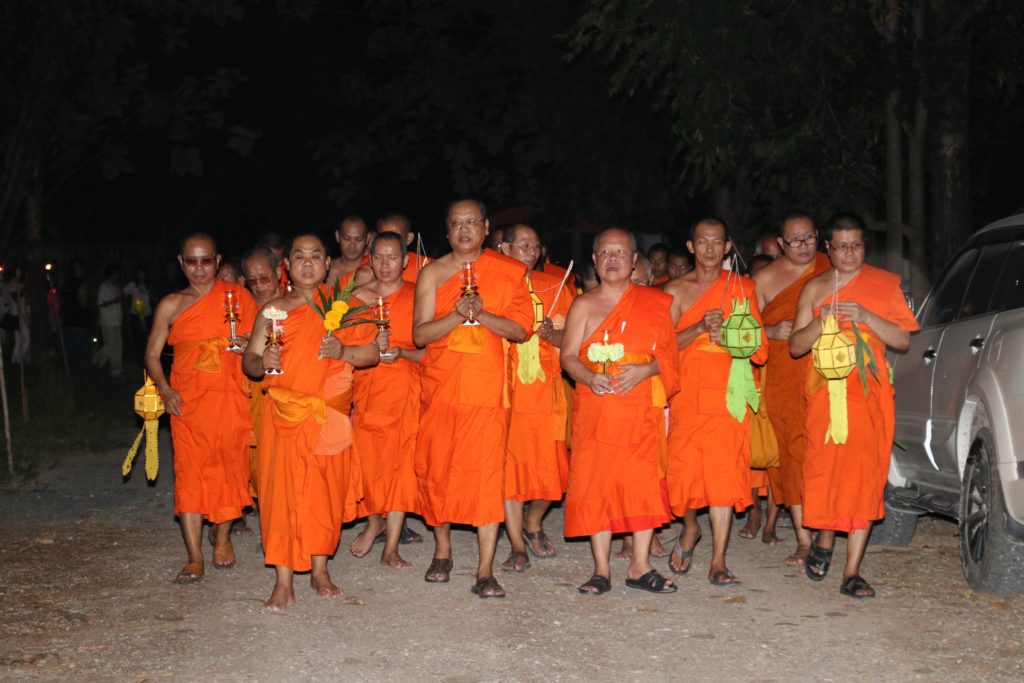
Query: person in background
108, 301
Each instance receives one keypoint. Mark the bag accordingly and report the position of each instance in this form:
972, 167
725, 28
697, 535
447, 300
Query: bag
764, 446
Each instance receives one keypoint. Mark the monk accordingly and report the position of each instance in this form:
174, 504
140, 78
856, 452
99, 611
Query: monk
678, 264
536, 462
262, 271
616, 474
206, 399
709, 446
641, 272
353, 239
844, 482
399, 223
460, 453
657, 256
778, 287
386, 403
305, 466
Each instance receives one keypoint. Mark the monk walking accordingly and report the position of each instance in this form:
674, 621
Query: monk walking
536, 464
206, 399
846, 465
468, 303
619, 346
709, 444
308, 487
386, 403
778, 288
353, 238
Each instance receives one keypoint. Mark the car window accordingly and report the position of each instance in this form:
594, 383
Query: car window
978, 297
944, 304
1010, 293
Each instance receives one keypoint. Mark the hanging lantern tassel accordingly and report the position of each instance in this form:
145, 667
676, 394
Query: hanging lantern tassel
740, 335
150, 406
834, 358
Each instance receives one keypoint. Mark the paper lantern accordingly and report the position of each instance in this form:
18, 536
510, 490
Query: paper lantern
740, 333
833, 351
148, 402
150, 406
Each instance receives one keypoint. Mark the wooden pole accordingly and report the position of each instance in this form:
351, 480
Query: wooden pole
7, 416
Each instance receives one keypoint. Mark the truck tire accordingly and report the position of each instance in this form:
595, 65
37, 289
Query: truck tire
898, 526
993, 562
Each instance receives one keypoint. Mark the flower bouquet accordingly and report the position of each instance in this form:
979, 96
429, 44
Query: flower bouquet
335, 310
605, 353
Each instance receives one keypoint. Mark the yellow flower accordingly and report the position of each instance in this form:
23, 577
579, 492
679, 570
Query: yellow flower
332, 320
339, 307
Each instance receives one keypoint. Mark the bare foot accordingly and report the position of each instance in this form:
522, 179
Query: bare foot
364, 541
282, 598
393, 560
769, 538
241, 528
626, 549
657, 549
224, 556
190, 573
798, 557
752, 526
324, 587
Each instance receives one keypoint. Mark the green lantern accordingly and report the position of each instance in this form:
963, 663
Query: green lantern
740, 335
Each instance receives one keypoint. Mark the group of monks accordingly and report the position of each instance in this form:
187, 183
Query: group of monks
442, 392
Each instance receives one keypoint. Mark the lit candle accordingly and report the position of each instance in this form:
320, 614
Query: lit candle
605, 340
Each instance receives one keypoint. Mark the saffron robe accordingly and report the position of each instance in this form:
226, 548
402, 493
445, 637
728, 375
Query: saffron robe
844, 484
616, 473
709, 450
386, 413
412, 269
460, 450
307, 482
536, 463
211, 437
785, 378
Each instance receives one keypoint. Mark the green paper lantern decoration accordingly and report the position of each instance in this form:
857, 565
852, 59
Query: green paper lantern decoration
740, 333
833, 352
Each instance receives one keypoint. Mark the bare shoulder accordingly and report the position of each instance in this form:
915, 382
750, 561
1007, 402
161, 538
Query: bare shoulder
818, 286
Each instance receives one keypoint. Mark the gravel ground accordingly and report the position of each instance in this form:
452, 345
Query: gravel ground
86, 563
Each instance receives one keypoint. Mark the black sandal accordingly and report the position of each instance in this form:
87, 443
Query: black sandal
487, 587
441, 567
852, 585
600, 584
818, 558
652, 582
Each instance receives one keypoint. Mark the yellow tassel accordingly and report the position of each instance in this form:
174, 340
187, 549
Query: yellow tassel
529, 369
126, 466
838, 426
152, 458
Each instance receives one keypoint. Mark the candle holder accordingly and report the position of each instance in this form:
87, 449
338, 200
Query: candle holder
469, 288
231, 316
275, 333
382, 315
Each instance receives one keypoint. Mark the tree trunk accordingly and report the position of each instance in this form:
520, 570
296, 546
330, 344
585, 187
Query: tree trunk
893, 185
36, 285
919, 283
731, 202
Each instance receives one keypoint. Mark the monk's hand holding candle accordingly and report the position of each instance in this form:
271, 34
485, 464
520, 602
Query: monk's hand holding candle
713, 320
631, 375
271, 358
601, 383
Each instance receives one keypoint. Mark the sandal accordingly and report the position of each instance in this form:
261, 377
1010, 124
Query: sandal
190, 573
817, 562
599, 584
541, 539
512, 564
441, 567
487, 587
853, 585
683, 554
652, 582
405, 538
723, 578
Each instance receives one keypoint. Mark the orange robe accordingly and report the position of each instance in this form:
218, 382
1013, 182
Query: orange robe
347, 277
211, 437
386, 414
256, 415
658, 282
306, 465
709, 451
616, 473
536, 464
844, 484
460, 451
784, 380
412, 269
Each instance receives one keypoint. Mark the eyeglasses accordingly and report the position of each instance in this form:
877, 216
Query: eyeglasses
261, 280
847, 247
801, 241
465, 222
193, 261
525, 246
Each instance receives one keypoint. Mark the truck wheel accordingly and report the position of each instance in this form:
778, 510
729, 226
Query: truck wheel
898, 526
992, 561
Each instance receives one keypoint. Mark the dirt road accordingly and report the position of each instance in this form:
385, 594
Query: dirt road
86, 563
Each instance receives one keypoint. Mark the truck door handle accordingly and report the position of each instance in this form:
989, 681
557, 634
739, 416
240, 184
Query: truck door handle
977, 343
929, 354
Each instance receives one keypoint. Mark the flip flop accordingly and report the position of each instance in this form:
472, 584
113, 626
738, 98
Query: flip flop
721, 579
442, 566
529, 537
510, 565
600, 584
485, 584
405, 538
852, 585
652, 582
683, 554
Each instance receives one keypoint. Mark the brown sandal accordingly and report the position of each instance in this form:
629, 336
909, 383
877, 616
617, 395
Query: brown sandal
488, 587
512, 563
190, 573
440, 566
541, 539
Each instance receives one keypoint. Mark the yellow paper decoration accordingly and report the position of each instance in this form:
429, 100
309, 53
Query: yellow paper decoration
528, 369
834, 359
150, 406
